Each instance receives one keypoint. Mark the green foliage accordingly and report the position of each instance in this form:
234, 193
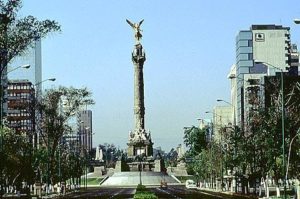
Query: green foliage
55, 125
171, 158
16, 157
145, 195
195, 140
17, 34
142, 193
18, 162
141, 187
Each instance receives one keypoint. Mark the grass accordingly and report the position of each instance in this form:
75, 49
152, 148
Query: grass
142, 193
92, 181
145, 195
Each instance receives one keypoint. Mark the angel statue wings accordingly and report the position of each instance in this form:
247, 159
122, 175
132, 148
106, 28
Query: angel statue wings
137, 30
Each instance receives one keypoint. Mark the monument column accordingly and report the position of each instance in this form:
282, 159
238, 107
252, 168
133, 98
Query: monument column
138, 59
139, 140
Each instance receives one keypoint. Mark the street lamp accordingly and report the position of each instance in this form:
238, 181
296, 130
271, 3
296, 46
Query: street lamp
297, 21
87, 156
282, 115
83, 139
221, 100
214, 114
48, 140
234, 128
25, 66
49, 79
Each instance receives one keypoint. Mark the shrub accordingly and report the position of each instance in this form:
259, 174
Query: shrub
145, 195
141, 187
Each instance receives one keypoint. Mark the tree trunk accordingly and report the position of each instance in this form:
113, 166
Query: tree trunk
267, 188
298, 191
277, 191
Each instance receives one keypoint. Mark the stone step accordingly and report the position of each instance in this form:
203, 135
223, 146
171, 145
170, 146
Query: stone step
133, 179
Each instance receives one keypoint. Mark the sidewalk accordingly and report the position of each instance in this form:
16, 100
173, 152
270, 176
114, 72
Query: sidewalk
226, 194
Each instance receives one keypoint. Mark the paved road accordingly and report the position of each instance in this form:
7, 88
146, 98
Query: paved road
170, 192
178, 192
104, 193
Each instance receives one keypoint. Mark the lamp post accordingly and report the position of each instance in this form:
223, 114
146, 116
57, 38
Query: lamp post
234, 119
214, 115
297, 21
282, 117
84, 149
49, 79
234, 128
87, 156
48, 138
25, 66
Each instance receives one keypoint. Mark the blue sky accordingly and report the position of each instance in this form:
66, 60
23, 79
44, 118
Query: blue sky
190, 46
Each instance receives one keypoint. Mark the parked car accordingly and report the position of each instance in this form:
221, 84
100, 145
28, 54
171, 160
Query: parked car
190, 184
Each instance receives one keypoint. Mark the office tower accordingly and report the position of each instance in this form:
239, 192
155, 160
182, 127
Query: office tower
21, 112
85, 130
258, 50
222, 117
33, 57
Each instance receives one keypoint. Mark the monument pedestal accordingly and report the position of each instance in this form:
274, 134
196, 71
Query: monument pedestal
159, 166
141, 166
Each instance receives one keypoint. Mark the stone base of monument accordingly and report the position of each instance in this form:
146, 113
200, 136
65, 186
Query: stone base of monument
149, 171
133, 178
118, 167
143, 166
179, 170
159, 165
98, 172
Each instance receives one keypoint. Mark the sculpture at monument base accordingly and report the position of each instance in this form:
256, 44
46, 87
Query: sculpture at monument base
99, 154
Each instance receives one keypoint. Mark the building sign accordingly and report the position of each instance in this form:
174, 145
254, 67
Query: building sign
259, 37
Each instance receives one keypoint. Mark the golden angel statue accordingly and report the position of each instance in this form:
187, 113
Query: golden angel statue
137, 30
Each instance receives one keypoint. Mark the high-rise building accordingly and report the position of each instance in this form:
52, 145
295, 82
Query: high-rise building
222, 117
21, 111
258, 50
32, 56
85, 130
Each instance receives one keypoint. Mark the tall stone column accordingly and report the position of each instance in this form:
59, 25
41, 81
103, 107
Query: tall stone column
138, 59
139, 140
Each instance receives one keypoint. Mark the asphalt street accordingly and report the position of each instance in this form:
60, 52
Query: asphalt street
169, 192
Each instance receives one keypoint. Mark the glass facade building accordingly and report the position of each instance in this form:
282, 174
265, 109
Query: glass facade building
85, 130
32, 75
258, 50
33, 57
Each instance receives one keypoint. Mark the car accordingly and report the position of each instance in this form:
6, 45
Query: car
190, 184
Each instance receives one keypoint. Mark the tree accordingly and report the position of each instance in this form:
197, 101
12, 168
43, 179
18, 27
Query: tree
17, 34
16, 155
260, 149
195, 140
55, 121
171, 158
110, 154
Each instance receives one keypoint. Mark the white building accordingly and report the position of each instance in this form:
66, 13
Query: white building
258, 51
